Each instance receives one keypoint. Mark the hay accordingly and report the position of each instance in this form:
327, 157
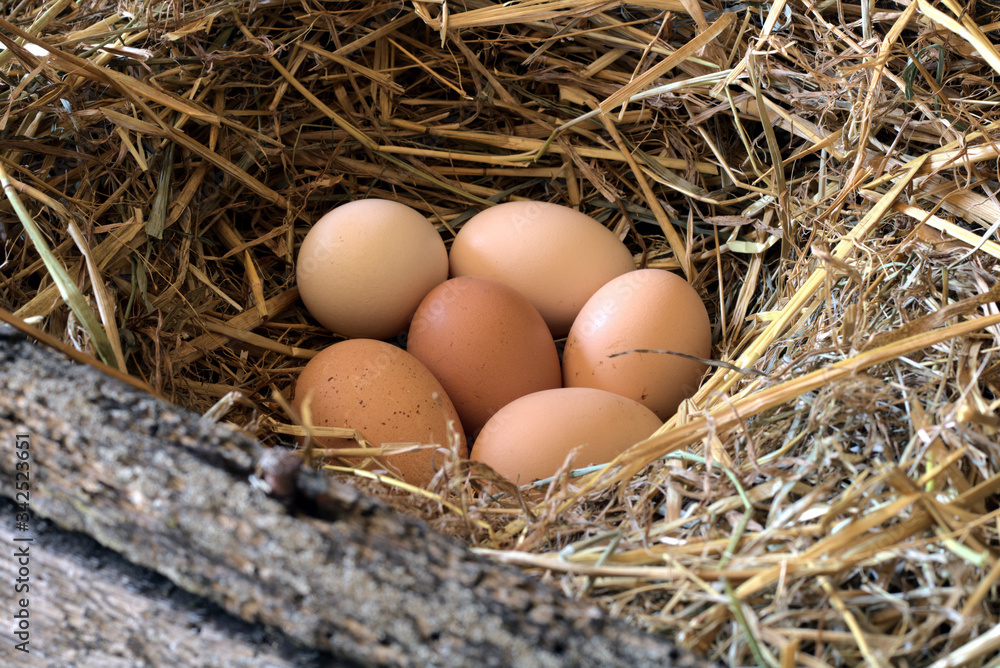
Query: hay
823, 173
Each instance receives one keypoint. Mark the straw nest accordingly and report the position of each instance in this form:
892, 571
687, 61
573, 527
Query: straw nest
824, 173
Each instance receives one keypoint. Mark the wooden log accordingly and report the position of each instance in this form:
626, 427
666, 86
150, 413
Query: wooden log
331, 569
90, 607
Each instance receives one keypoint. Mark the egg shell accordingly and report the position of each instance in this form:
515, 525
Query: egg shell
387, 395
647, 309
487, 345
363, 268
555, 256
531, 437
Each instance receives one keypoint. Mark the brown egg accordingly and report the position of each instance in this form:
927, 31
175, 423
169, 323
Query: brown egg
487, 345
555, 256
646, 309
531, 437
387, 395
364, 266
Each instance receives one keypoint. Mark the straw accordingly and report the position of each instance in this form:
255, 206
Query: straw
822, 173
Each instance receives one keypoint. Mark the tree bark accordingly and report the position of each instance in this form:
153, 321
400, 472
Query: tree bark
90, 607
330, 569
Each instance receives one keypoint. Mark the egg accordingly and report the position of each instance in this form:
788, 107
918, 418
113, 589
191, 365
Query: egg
363, 268
647, 309
531, 437
555, 256
387, 395
487, 345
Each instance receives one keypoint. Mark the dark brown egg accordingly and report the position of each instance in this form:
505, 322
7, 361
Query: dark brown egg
487, 345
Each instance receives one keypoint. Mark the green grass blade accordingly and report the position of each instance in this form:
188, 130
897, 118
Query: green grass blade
67, 288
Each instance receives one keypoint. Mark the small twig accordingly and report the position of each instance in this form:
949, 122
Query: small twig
715, 363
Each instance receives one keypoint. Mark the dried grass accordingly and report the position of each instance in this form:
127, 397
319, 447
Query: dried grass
824, 173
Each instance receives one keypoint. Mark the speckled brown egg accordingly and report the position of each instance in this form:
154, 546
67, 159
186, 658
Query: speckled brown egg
364, 266
487, 345
647, 309
387, 395
531, 437
555, 256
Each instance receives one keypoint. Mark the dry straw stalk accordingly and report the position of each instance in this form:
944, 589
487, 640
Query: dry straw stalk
824, 173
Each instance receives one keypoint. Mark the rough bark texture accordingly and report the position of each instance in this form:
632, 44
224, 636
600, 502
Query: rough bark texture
90, 607
337, 572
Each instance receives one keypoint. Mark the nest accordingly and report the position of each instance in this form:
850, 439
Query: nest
824, 173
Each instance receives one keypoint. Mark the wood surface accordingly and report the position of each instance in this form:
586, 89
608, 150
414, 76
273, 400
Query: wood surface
88, 606
337, 573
